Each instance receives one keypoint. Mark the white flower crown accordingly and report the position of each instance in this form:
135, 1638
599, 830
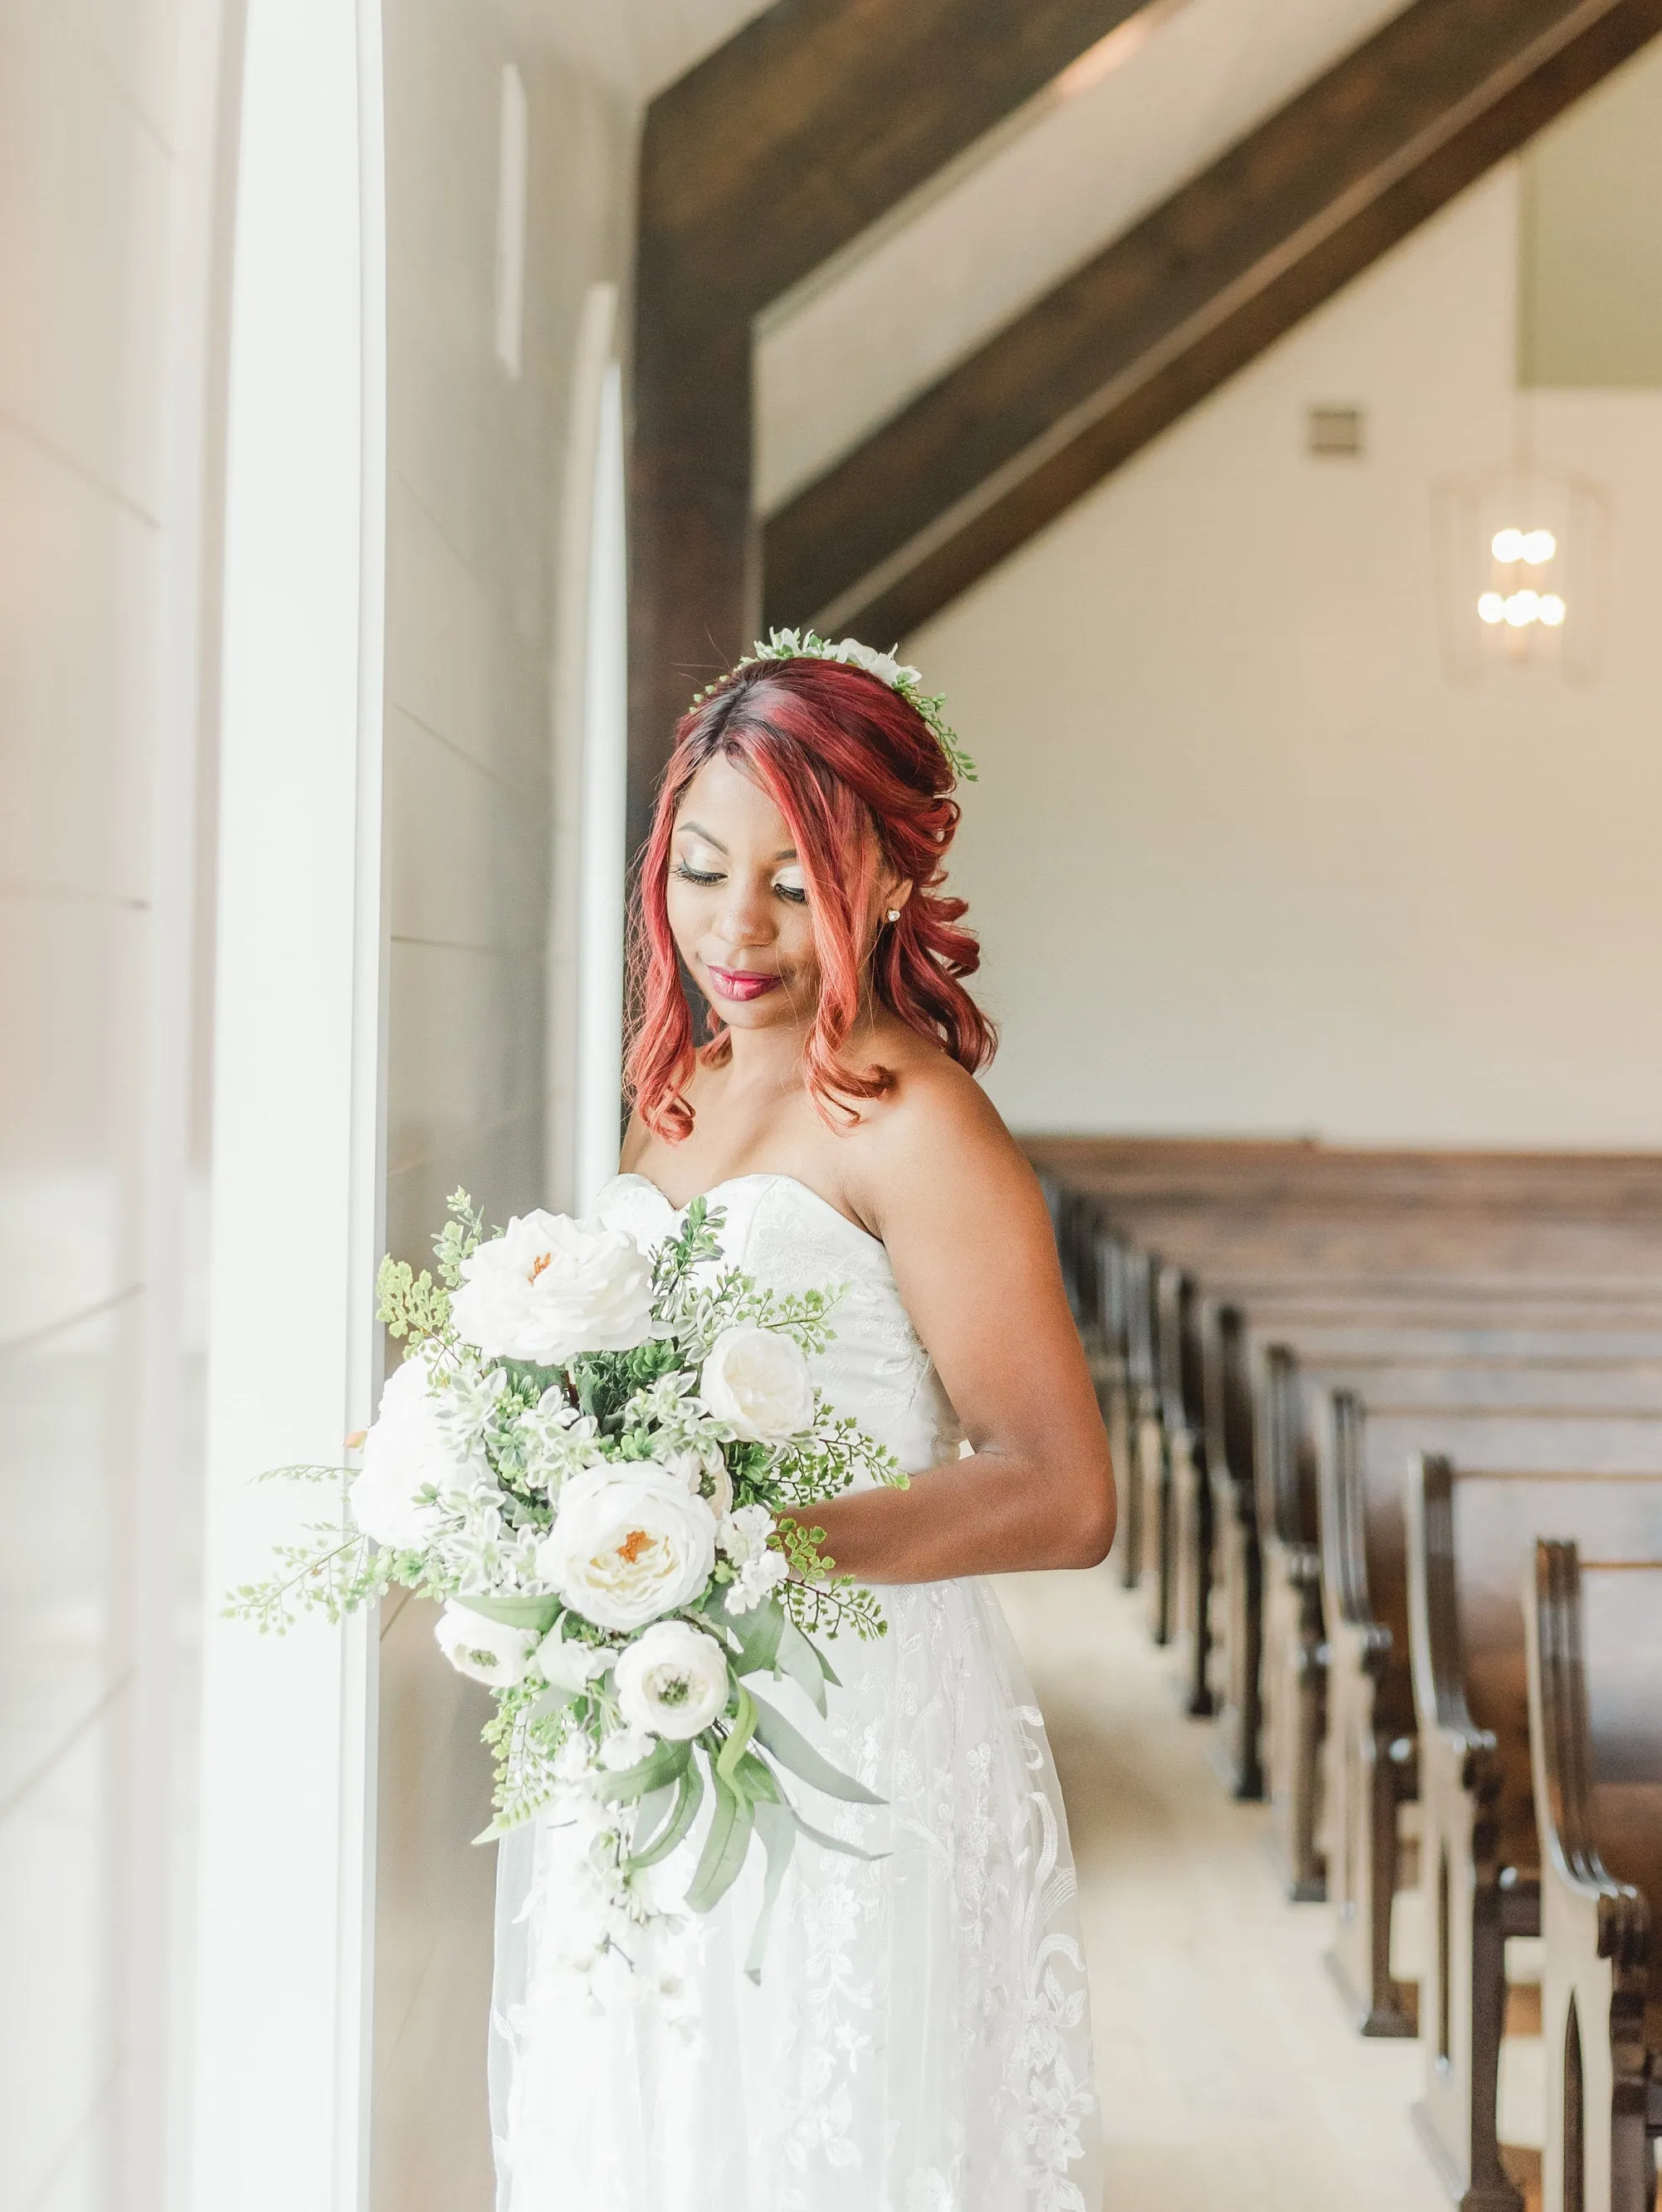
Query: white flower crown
808, 645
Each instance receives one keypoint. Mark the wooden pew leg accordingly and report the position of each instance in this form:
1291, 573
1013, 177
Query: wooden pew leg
1192, 1567
1129, 1476
1475, 1957
1155, 1483
1364, 1785
1295, 1699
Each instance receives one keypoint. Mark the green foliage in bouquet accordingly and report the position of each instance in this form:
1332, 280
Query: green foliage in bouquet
599, 1460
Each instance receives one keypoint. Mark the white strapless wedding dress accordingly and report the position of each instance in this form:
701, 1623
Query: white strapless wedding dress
920, 2040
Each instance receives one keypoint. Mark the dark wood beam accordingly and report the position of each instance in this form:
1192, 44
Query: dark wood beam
807, 125
1079, 382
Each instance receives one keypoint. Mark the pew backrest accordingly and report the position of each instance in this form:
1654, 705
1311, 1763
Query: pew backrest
1472, 1529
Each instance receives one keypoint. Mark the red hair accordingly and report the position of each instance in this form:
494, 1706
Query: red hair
859, 777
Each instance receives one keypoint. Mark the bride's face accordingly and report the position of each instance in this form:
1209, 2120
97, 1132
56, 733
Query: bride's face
738, 903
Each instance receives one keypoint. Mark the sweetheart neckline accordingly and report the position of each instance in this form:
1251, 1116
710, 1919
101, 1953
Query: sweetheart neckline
757, 1175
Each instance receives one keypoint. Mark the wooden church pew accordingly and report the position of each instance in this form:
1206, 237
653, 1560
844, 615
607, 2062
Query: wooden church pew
1594, 1631
1471, 1533
1289, 1360
1336, 1324
1527, 1414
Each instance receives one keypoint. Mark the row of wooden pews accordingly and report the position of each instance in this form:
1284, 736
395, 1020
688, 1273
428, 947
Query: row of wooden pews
1389, 1428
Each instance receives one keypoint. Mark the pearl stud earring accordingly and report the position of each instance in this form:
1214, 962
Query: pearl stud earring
894, 914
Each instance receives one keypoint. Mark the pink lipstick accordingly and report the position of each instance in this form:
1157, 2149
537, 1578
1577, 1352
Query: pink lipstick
738, 985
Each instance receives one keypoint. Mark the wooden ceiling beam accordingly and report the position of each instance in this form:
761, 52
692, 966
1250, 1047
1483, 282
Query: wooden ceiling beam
954, 483
812, 121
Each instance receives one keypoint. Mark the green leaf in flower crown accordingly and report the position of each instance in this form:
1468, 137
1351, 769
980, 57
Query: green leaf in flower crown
538, 1613
792, 1749
664, 1765
726, 1846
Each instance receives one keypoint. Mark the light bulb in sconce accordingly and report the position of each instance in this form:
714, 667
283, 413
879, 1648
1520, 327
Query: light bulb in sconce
1551, 610
1507, 546
1538, 547
1491, 608
1522, 608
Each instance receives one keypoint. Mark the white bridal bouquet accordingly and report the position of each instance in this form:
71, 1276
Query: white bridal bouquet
583, 1454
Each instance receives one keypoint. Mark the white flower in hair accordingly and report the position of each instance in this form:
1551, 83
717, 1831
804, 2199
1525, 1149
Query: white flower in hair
808, 645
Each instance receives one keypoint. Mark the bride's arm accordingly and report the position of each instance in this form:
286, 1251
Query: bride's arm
968, 1237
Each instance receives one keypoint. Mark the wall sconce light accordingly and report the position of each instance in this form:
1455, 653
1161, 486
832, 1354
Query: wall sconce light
1521, 556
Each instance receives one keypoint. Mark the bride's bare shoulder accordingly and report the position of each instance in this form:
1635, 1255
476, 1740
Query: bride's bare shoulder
937, 1130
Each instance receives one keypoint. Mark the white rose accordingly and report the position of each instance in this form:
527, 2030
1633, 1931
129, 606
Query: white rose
490, 1651
569, 1666
672, 1682
756, 1381
629, 1543
550, 1287
406, 1451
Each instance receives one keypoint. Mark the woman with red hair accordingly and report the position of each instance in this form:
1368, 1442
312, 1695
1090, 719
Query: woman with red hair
919, 2039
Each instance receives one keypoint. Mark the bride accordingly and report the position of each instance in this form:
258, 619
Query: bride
919, 2040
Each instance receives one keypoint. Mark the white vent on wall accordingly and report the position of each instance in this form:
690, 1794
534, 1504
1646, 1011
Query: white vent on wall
513, 150
1336, 433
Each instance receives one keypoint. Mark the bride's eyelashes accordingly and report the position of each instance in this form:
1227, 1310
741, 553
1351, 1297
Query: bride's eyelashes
796, 893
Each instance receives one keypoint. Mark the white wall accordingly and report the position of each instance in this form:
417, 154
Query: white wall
1242, 858
111, 149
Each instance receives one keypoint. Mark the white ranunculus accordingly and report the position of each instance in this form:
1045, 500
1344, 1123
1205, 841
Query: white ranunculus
490, 1651
629, 1543
756, 1381
550, 1287
570, 1666
405, 1452
673, 1680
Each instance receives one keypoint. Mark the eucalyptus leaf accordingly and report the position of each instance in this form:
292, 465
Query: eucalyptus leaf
759, 1632
726, 1846
690, 1796
792, 1749
776, 1825
538, 1613
664, 1765
798, 1659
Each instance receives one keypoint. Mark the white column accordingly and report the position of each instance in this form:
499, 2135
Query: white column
286, 1834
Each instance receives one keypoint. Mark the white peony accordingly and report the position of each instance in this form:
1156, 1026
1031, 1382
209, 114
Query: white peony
672, 1682
571, 1666
630, 1542
406, 1451
550, 1287
756, 1381
488, 1650
743, 1537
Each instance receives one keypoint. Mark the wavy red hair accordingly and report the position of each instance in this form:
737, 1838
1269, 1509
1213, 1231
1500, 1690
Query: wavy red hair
859, 777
